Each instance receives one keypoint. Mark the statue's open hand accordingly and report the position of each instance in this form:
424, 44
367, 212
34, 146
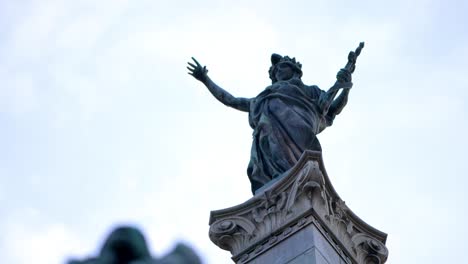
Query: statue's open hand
197, 71
343, 76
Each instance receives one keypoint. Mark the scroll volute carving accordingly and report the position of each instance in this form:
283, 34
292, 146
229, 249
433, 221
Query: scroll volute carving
232, 233
369, 250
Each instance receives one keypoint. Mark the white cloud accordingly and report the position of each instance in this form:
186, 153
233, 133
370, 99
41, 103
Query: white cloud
31, 34
27, 237
172, 153
18, 92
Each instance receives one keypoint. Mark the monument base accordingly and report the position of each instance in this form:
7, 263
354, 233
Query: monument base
298, 219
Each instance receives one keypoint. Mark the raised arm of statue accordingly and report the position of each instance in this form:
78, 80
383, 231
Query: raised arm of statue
201, 73
338, 104
344, 78
327, 102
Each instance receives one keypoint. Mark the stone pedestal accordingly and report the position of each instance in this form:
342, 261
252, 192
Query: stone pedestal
298, 219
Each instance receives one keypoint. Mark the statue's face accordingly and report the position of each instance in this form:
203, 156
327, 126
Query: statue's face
284, 71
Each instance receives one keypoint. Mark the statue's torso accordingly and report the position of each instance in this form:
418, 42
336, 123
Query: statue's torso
288, 101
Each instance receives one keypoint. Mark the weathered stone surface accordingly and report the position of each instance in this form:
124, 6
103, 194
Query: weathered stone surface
298, 219
305, 246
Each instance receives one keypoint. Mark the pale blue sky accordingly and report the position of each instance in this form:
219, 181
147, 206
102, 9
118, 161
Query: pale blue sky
100, 124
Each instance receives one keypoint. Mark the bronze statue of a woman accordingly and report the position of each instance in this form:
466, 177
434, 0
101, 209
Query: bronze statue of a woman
286, 116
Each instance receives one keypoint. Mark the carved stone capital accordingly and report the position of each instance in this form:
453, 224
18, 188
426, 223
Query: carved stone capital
303, 196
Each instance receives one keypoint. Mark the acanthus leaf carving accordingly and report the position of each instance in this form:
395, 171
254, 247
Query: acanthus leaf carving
270, 204
309, 180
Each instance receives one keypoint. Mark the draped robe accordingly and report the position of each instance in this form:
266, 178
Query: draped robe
286, 118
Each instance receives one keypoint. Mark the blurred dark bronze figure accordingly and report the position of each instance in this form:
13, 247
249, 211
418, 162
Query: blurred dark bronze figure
127, 245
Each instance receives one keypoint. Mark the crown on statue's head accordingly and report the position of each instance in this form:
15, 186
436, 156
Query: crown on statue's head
277, 59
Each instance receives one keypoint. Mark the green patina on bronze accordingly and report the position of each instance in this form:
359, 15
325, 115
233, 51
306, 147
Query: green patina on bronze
286, 116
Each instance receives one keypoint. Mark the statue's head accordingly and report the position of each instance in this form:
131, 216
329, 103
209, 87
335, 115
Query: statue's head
284, 68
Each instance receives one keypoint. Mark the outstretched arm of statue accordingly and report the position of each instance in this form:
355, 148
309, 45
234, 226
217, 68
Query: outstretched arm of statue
201, 73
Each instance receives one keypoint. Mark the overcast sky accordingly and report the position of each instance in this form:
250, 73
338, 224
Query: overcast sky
101, 124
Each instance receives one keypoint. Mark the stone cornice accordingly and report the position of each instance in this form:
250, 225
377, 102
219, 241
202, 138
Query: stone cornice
303, 196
